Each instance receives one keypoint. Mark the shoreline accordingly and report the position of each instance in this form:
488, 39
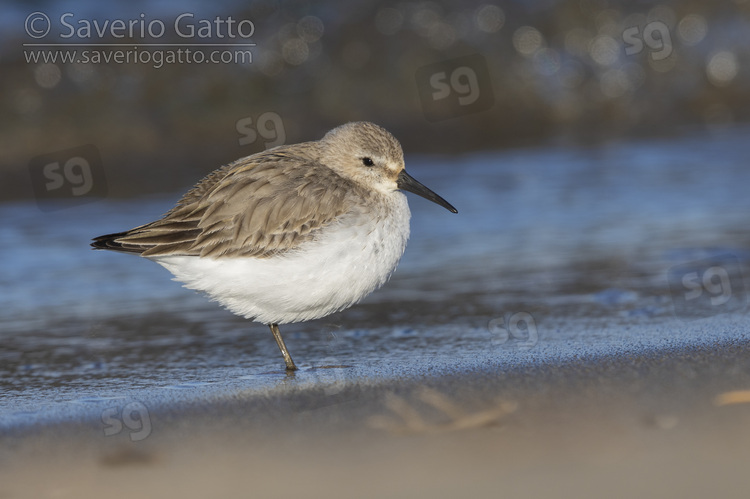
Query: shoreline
648, 416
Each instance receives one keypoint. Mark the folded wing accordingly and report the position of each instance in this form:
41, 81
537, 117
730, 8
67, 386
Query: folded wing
258, 206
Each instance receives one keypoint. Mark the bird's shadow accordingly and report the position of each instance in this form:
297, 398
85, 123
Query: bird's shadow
292, 374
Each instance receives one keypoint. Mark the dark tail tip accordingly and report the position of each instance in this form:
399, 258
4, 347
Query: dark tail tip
107, 242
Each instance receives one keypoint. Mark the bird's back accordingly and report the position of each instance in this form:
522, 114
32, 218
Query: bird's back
258, 206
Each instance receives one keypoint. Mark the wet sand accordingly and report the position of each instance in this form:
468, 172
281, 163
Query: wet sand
615, 426
116, 382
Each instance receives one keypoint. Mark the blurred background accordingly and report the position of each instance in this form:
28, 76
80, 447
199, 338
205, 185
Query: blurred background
548, 71
596, 151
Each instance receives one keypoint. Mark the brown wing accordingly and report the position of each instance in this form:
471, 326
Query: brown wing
257, 206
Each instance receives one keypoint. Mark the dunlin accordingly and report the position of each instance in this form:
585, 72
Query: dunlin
290, 234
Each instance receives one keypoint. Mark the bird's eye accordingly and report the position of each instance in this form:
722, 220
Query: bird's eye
367, 162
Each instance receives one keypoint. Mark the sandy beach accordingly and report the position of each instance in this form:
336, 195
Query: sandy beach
522, 349
616, 426
580, 328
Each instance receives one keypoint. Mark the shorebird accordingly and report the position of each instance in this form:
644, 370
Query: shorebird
290, 234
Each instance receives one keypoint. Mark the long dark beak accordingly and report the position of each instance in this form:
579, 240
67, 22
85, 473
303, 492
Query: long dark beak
408, 183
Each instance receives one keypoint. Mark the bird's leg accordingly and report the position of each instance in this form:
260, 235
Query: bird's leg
280, 341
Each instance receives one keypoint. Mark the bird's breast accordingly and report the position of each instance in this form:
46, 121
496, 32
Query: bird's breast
365, 245
343, 263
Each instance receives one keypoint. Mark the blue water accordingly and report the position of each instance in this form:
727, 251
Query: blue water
579, 241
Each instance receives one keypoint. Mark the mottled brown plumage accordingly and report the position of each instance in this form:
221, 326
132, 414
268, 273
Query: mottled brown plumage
257, 206
290, 234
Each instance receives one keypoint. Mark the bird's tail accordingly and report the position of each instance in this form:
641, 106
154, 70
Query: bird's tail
110, 242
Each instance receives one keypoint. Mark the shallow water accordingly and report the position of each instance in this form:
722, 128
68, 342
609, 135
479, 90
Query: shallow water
556, 254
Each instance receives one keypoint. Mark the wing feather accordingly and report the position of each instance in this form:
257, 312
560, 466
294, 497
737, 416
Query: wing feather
258, 206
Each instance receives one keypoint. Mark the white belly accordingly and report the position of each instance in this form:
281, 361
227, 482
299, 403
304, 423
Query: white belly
344, 264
